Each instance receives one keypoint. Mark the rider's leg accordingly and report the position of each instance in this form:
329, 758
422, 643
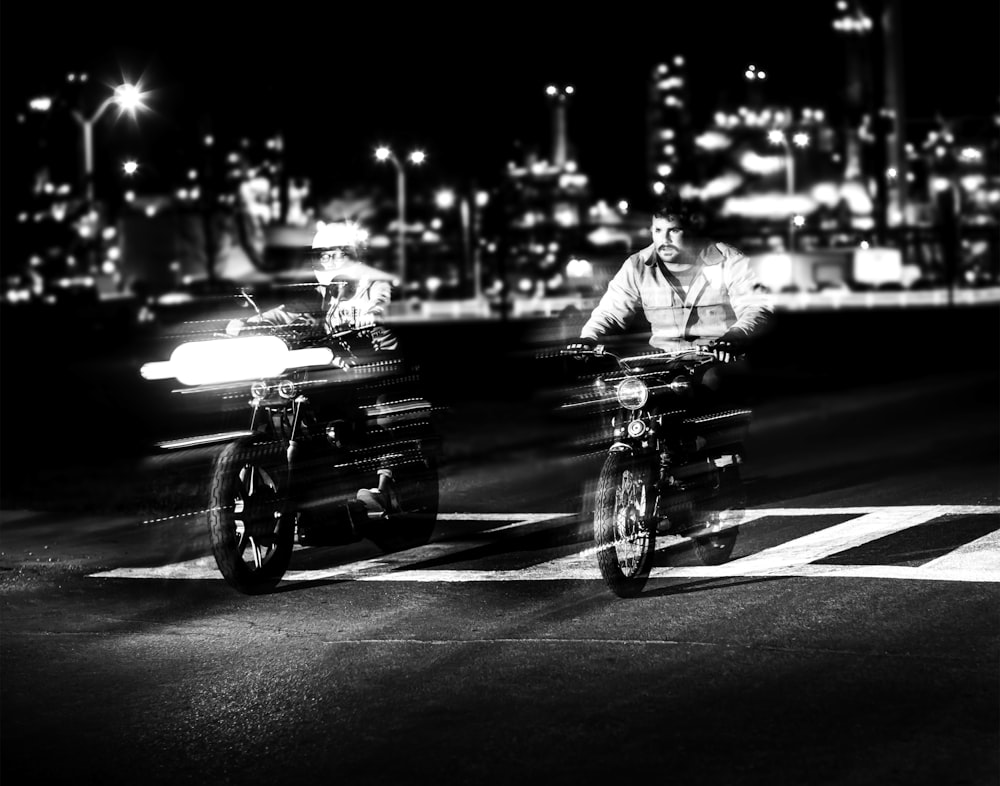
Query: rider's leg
725, 385
382, 498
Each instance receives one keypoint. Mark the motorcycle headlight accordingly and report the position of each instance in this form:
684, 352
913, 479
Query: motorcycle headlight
286, 388
258, 389
632, 393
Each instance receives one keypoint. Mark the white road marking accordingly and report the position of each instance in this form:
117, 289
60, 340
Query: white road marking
977, 561
205, 567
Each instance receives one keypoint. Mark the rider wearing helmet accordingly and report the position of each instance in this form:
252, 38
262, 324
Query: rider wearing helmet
351, 295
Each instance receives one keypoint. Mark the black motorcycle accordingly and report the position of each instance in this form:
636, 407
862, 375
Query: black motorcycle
673, 466
322, 422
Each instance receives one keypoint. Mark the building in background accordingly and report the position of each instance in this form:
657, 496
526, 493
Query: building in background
669, 134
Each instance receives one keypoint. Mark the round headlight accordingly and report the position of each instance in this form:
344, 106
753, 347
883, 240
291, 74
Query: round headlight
632, 393
286, 388
258, 389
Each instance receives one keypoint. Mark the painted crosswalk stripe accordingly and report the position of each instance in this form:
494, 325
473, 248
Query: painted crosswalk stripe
977, 561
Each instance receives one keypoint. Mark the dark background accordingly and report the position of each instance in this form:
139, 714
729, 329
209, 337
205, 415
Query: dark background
466, 83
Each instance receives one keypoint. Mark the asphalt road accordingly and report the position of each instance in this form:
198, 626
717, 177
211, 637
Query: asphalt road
852, 639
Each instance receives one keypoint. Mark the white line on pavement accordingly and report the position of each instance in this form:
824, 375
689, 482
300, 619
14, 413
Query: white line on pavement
978, 561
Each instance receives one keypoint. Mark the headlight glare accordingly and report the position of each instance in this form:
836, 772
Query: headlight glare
632, 393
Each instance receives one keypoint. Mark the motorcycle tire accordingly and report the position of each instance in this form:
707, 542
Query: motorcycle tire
717, 548
251, 529
417, 487
624, 532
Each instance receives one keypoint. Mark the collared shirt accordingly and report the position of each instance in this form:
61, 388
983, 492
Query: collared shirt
724, 298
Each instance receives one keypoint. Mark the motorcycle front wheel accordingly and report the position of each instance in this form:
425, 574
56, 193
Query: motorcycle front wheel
250, 529
623, 530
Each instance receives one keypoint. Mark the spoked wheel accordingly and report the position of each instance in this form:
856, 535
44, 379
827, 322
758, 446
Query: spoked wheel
723, 522
416, 485
623, 530
250, 531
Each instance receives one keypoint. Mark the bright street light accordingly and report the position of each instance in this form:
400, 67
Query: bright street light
445, 199
384, 153
129, 98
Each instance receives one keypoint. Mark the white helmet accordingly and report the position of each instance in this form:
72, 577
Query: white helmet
339, 234
337, 249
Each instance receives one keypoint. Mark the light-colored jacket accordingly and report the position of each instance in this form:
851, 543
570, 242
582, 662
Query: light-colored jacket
360, 305
724, 297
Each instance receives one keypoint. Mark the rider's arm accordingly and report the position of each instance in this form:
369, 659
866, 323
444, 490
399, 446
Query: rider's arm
275, 317
617, 306
750, 301
367, 305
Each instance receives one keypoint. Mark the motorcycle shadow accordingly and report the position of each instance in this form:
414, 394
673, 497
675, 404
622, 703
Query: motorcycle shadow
685, 587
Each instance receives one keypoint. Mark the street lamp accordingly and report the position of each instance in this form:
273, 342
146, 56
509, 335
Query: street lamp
777, 137
559, 96
129, 98
384, 153
468, 214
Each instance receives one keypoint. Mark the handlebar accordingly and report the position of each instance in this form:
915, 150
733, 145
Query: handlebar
625, 361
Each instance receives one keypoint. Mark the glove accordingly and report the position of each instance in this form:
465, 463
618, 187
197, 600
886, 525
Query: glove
725, 350
383, 339
581, 345
233, 327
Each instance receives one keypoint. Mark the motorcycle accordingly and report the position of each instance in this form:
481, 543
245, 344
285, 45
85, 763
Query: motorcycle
321, 423
672, 469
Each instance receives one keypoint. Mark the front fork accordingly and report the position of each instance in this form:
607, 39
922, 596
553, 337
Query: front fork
286, 429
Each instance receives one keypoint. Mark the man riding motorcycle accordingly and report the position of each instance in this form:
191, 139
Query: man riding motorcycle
694, 296
351, 295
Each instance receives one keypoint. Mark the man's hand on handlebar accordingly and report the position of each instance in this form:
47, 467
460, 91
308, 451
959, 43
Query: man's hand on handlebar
580, 346
275, 318
383, 339
724, 350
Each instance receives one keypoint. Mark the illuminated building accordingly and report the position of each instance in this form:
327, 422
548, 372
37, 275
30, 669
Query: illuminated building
668, 125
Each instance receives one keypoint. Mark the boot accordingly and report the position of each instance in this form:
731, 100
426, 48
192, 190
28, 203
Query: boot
382, 499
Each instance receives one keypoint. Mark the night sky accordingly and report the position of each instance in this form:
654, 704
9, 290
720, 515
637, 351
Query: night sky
468, 86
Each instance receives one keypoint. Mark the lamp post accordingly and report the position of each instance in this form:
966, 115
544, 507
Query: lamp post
468, 214
129, 98
384, 153
559, 96
777, 137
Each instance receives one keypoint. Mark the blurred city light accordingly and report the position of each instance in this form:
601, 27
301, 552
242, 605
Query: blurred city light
385, 153
774, 271
445, 199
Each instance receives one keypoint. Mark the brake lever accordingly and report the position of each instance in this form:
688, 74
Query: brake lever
250, 300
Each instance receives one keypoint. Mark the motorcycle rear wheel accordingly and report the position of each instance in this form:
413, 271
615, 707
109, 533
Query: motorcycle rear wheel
717, 548
623, 529
250, 529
